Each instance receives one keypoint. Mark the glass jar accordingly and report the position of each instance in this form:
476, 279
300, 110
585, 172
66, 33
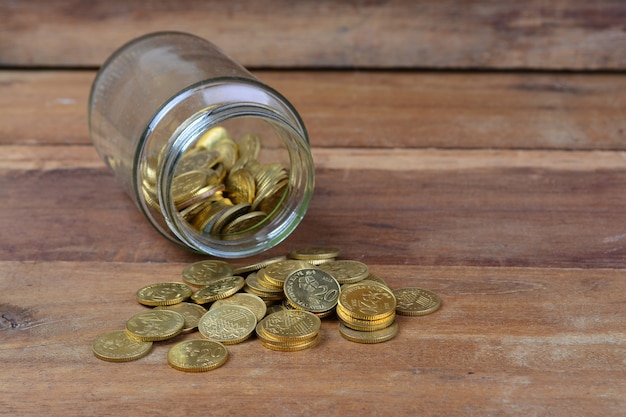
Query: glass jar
218, 162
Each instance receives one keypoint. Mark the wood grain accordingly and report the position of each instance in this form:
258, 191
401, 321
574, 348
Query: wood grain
510, 208
372, 109
506, 341
564, 34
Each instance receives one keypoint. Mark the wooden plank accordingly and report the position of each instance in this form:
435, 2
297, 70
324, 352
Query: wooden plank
372, 109
505, 341
566, 34
512, 208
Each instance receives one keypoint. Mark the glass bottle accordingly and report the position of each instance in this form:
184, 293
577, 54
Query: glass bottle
217, 161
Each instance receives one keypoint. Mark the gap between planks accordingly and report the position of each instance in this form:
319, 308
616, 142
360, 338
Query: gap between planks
45, 158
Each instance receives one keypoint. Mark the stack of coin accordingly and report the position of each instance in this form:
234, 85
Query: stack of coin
368, 310
289, 330
220, 188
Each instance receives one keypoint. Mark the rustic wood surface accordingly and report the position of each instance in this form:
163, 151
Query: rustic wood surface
525, 246
530, 34
502, 191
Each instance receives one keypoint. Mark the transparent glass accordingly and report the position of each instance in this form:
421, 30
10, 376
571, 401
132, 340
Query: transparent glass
185, 128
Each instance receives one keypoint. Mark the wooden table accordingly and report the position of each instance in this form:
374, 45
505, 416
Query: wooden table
476, 149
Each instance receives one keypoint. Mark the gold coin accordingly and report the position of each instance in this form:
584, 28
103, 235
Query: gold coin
272, 199
190, 311
206, 218
184, 185
243, 224
221, 288
267, 285
196, 159
155, 325
202, 194
377, 336
376, 278
258, 265
249, 146
163, 293
197, 355
413, 301
211, 137
227, 216
314, 253
251, 301
367, 301
312, 289
364, 325
227, 149
278, 272
240, 186
290, 325
202, 273
118, 346
281, 347
346, 271
228, 324
252, 281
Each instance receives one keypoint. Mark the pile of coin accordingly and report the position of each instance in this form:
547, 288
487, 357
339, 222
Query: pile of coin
281, 300
220, 188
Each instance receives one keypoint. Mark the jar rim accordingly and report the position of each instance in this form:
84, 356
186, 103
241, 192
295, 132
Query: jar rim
244, 98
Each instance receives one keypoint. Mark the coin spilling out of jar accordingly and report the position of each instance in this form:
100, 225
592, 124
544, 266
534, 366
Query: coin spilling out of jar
220, 188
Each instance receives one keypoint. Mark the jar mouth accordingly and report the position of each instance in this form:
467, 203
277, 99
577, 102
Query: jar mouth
250, 109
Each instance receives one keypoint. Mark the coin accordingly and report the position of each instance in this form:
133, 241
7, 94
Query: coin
252, 282
346, 271
413, 301
228, 324
278, 272
155, 325
314, 253
258, 265
377, 336
289, 347
202, 273
242, 224
197, 355
184, 185
290, 325
221, 288
312, 289
240, 186
228, 215
367, 301
251, 301
163, 293
190, 311
211, 137
118, 346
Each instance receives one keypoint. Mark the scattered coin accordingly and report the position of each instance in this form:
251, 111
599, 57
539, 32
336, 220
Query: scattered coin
198, 355
251, 301
202, 273
346, 271
314, 253
221, 288
163, 293
190, 311
283, 302
155, 325
228, 324
376, 336
118, 346
312, 290
416, 301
